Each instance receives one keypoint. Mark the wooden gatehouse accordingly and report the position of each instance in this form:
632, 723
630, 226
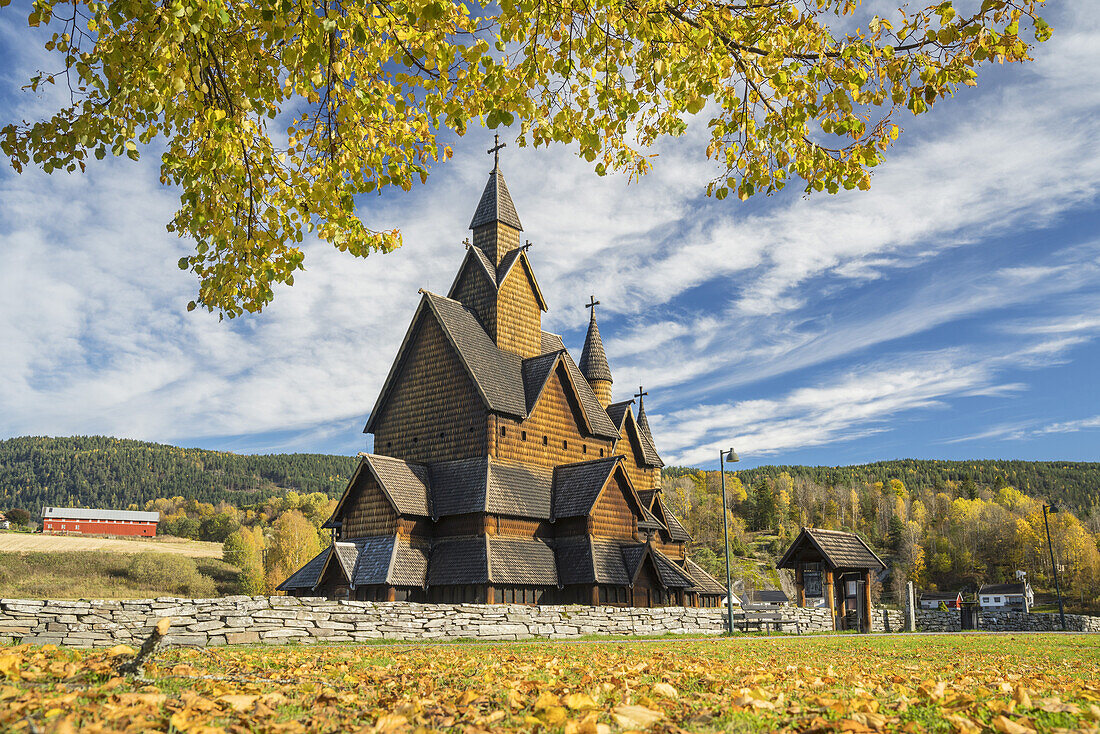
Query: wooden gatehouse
502, 471
836, 567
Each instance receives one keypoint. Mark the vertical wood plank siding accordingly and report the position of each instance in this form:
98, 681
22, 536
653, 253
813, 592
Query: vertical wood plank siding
640, 477
612, 516
370, 513
434, 412
554, 419
496, 239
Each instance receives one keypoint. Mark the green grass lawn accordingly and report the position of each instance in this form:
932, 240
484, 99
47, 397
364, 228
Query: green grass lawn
945, 683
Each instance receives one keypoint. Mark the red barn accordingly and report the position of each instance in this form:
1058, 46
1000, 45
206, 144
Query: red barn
99, 522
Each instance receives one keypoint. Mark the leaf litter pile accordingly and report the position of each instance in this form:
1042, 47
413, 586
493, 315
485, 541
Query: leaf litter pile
972, 683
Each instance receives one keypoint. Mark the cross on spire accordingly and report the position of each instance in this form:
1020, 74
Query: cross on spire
495, 150
592, 303
640, 394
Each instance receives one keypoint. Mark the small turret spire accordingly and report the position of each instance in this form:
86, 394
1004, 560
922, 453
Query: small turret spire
643, 422
593, 362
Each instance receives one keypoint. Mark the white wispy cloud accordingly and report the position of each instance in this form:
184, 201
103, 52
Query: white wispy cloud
96, 339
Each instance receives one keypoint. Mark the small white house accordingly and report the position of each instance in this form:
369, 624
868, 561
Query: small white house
1016, 596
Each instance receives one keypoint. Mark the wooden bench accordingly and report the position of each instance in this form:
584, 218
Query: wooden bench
771, 620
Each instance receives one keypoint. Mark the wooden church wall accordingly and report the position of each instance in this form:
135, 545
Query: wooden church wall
476, 293
519, 318
612, 516
496, 240
370, 513
674, 551
434, 412
550, 435
639, 477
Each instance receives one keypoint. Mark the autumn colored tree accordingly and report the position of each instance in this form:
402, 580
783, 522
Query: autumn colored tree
244, 549
293, 541
274, 116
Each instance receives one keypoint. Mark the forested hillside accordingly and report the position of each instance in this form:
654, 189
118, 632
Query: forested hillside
936, 531
1075, 484
97, 471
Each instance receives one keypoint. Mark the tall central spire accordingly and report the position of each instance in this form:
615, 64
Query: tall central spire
593, 359
495, 224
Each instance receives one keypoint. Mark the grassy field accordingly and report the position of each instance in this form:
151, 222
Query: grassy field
960, 683
112, 575
13, 541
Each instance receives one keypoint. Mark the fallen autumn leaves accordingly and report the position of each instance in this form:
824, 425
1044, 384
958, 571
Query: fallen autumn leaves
1008, 684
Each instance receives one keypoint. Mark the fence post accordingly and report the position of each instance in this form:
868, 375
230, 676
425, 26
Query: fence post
910, 608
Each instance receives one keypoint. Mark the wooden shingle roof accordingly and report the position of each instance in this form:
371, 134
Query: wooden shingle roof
527, 561
461, 560
704, 582
671, 574
495, 204
482, 484
593, 363
308, 575
405, 483
617, 413
551, 342
578, 486
837, 549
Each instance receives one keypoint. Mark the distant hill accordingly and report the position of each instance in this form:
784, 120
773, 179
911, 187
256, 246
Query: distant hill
99, 471
1073, 483
110, 472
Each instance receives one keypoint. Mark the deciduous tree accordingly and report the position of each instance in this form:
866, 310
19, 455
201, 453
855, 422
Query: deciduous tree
274, 116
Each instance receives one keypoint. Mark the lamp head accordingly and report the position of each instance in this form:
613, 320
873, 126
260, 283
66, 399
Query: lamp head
732, 456
1053, 508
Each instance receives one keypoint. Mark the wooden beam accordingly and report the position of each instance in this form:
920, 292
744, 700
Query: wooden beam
800, 585
865, 623
830, 596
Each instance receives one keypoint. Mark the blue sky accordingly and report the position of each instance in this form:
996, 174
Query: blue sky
951, 312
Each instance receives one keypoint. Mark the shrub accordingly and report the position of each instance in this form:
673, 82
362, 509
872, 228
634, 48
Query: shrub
172, 573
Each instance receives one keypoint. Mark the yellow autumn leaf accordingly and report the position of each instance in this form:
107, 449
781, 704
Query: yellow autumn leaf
579, 701
666, 690
239, 701
1006, 725
120, 650
635, 717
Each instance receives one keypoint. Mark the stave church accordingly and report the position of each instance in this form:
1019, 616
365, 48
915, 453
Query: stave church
502, 472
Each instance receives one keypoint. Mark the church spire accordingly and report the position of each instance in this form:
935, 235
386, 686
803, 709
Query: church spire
495, 224
643, 422
593, 359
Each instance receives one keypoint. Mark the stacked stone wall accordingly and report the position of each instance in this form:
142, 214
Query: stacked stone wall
279, 620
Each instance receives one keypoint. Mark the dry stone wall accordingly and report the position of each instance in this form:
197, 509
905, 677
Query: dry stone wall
279, 620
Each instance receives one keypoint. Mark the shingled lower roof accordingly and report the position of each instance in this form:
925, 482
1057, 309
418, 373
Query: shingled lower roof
578, 486
551, 342
536, 373
463, 560
308, 575
703, 581
525, 561
484, 485
617, 413
838, 549
586, 560
405, 483
671, 575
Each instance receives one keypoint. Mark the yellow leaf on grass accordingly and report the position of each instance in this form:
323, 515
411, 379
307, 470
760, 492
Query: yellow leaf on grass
579, 701
553, 715
1055, 706
635, 717
120, 650
546, 700
239, 702
388, 723
1006, 725
664, 689
1021, 697
9, 666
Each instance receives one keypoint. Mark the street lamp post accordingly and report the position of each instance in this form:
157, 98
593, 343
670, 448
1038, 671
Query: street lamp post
730, 456
1053, 564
